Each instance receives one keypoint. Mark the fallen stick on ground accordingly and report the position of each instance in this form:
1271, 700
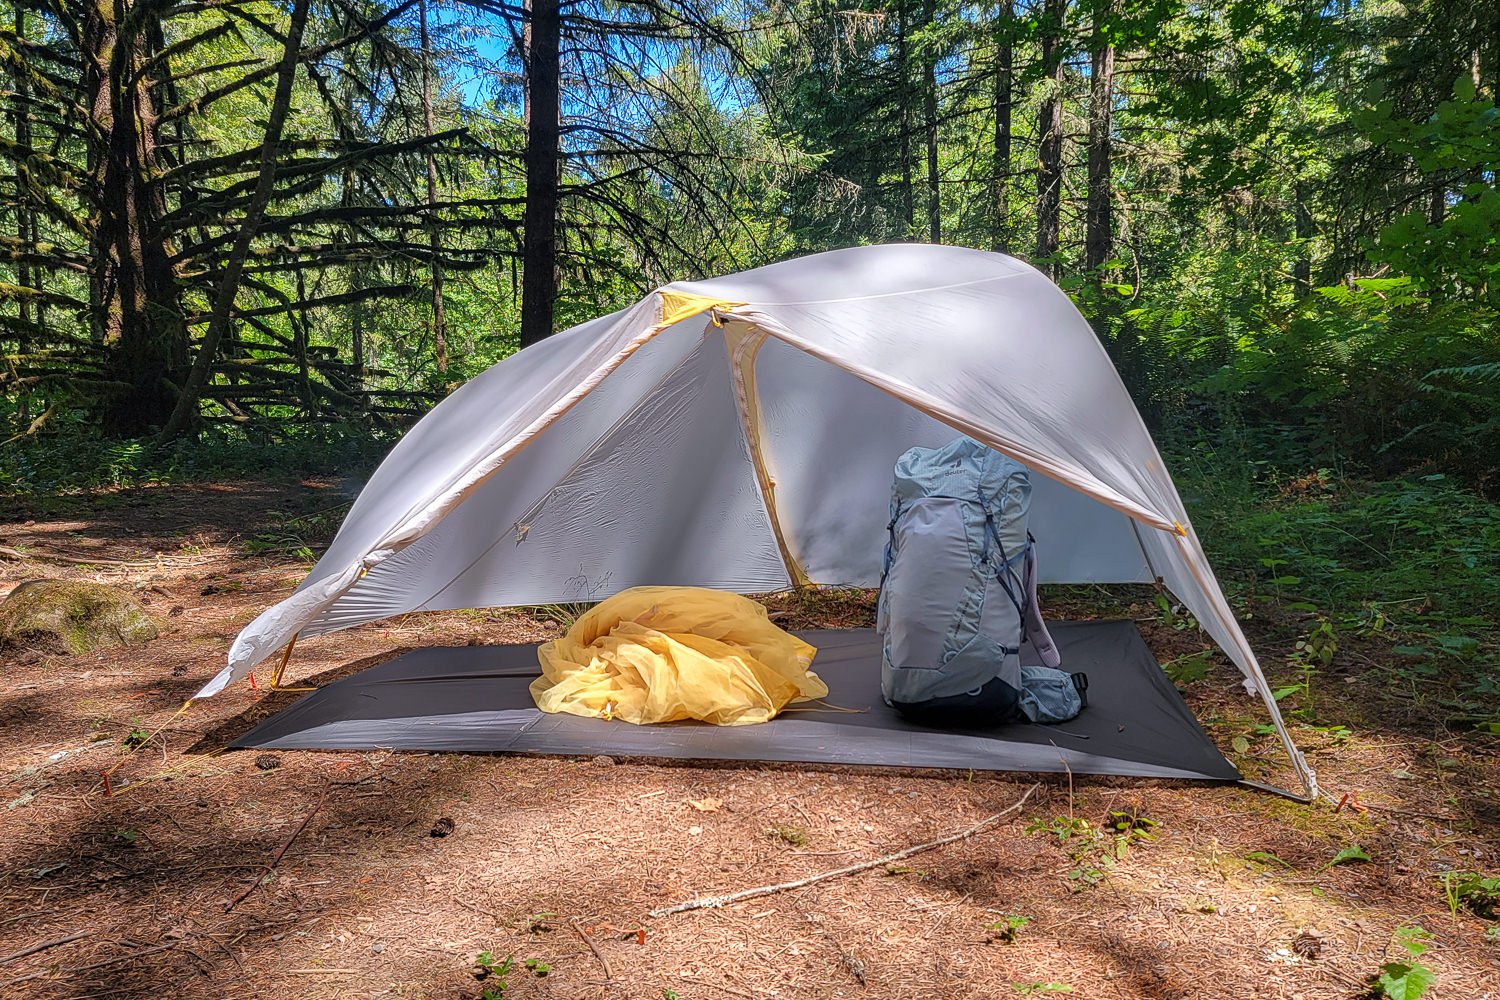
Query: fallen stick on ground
121, 960
703, 902
6, 552
260, 876
592, 947
43, 946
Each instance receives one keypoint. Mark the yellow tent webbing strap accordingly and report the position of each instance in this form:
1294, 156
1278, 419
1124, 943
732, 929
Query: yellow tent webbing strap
131, 751
169, 772
276, 676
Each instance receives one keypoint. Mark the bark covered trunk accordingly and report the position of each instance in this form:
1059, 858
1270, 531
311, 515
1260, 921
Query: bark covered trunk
930, 127
1004, 83
134, 296
1302, 220
1099, 225
434, 237
185, 412
1050, 139
903, 69
543, 107
24, 226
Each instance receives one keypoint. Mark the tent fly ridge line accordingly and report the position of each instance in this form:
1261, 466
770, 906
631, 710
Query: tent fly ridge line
739, 433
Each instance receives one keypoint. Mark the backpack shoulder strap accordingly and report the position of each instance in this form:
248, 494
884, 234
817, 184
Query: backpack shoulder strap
1036, 628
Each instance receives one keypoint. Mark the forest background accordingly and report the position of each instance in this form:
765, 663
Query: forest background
246, 236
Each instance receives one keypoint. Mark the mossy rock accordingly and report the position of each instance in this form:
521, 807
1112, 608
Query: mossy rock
59, 616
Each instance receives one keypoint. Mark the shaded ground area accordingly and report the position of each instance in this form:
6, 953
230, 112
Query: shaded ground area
1223, 892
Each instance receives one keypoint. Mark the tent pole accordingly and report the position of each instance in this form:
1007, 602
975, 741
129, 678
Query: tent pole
743, 347
286, 658
1262, 687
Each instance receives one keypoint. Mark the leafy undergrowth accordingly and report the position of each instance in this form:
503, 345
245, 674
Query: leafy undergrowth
1392, 586
47, 468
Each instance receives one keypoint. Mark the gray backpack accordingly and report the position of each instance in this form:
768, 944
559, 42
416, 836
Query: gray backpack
958, 595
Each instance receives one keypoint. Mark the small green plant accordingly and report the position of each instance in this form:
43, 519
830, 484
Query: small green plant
1353, 854
298, 534
667, 993
1090, 874
793, 835
1472, 891
136, 737
1006, 929
1127, 827
539, 923
493, 974
1031, 989
1189, 668
1174, 617
1309, 656
1406, 979
563, 615
537, 967
1095, 850
1064, 828
1266, 858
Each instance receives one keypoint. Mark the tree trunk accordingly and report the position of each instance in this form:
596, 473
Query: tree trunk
1303, 223
1099, 225
930, 127
25, 232
903, 127
134, 298
302, 340
543, 108
1050, 139
185, 412
434, 238
1004, 81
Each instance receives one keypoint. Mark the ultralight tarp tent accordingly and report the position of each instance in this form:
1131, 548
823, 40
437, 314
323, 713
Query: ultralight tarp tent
740, 432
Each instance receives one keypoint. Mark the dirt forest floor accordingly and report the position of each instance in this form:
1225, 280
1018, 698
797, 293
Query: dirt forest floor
1221, 892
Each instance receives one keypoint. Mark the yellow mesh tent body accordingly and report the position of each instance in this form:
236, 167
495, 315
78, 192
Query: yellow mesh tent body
660, 654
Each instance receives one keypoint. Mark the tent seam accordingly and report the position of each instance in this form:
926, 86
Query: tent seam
541, 502
888, 295
1069, 476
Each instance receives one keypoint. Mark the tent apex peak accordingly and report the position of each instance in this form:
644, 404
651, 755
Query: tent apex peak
677, 305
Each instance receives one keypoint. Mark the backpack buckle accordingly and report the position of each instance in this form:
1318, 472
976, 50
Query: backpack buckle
1081, 685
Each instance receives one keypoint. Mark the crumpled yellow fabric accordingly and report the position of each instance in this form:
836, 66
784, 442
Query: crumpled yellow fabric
659, 654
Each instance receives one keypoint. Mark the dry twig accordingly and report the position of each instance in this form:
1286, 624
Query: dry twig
43, 946
93, 965
260, 877
702, 902
592, 947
